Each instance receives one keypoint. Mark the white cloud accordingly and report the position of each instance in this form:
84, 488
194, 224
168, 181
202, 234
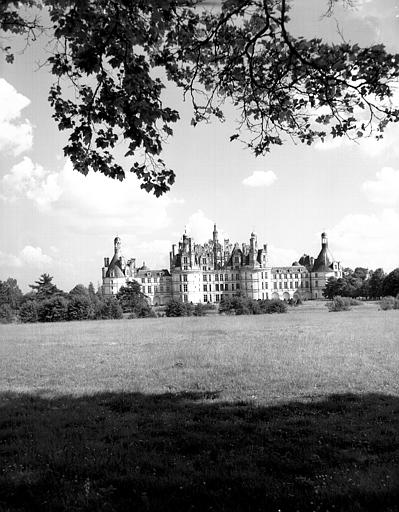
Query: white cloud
260, 179
200, 227
278, 256
32, 181
155, 253
15, 136
88, 203
385, 189
367, 240
28, 256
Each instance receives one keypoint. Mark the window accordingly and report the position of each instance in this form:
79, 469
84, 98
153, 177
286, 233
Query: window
307, 284
316, 275
204, 277
217, 287
226, 277
226, 287
149, 289
266, 286
275, 286
290, 284
161, 288
185, 277
217, 298
296, 284
316, 283
205, 298
237, 277
185, 298
180, 288
263, 285
185, 267
238, 286
221, 277
280, 284
185, 259
184, 287
143, 279
204, 261
232, 286
221, 287
265, 275
205, 288
204, 267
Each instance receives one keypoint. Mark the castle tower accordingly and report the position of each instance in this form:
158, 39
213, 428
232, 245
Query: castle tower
324, 260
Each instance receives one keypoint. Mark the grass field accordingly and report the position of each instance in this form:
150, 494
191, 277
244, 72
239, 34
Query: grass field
273, 412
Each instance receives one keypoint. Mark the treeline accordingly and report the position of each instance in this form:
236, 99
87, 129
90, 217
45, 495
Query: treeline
362, 283
45, 302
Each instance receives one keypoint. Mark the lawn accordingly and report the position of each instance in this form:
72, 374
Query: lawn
273, 412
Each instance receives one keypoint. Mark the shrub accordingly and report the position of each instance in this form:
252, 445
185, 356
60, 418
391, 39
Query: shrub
276, 306
28, 312
109, 309
389, 302
53, 310
177, 308
200, 309
80, 308
339, 304
6, 314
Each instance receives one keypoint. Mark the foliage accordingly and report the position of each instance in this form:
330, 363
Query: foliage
109, 309
54, 309
134, 301
390, 285
389, 302
177, 308
79, 290
6, 314
339, 304
44, 288
375, 283
80, 308
28, 312
10, 293
240, 305
200, 310
239, 52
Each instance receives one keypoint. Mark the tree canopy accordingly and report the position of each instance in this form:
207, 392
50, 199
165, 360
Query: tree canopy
239, 52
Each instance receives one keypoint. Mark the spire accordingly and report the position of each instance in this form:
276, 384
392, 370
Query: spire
215, 233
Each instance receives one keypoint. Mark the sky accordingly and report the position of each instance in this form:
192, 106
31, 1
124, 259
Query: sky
58, 221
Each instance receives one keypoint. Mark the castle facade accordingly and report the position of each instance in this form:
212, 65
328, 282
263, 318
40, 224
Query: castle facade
204, 273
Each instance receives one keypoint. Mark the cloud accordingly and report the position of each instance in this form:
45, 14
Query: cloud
200, 227
28, 256
367, 240
92, 203
260, 179
32, 181
279, 257
15, 136
385, 189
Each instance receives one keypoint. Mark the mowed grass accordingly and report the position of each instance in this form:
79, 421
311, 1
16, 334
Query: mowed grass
273, 412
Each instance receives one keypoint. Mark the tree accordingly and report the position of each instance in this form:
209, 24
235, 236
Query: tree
239, 52
110, 309
134, 301
78, 290
44, 288
80, 308
390, 285
10, 293
28, 312
375, 283
54, 309
335, 287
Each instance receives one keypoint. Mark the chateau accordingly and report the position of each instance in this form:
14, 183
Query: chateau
204, 273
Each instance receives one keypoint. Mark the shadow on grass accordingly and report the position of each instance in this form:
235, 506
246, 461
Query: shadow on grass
119, 452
